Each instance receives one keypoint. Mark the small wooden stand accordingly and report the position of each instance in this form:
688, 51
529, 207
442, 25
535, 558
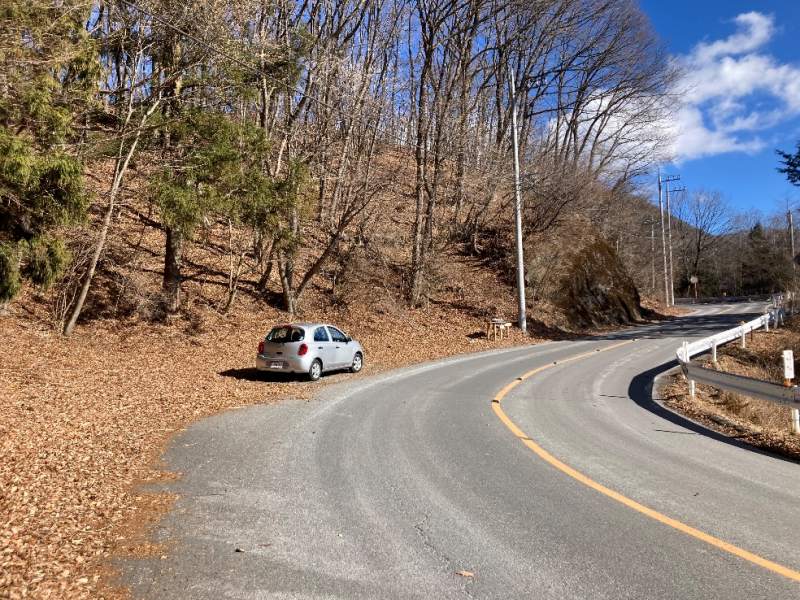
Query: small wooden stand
497, 327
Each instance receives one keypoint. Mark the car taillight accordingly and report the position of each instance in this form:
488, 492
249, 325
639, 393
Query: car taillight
261, 347
302, 349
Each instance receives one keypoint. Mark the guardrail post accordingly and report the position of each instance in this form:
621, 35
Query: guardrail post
692, 388
795, 420
766, 322
714, 353
744, 337
685, 351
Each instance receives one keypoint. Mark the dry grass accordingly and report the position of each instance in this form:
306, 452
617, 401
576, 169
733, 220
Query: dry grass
757, 422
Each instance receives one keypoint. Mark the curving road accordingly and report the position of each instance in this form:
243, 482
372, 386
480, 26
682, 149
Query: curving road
388, 487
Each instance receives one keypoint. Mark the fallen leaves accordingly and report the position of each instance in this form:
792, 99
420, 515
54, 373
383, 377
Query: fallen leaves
85, 418
756, 422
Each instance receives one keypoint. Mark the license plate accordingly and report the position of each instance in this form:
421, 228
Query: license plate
276, 365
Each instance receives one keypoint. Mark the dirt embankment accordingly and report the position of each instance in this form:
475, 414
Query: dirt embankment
761, 424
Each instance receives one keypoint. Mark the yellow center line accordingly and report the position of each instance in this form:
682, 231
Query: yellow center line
577, 475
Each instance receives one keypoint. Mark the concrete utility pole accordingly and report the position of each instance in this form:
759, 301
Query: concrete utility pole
669, 240
653, 252
661, 181
790, 217
663, 241
521, 318
652, 223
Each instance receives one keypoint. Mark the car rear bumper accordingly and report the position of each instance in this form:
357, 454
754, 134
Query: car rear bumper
298, 364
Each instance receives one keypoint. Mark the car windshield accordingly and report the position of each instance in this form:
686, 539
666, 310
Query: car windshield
285, 333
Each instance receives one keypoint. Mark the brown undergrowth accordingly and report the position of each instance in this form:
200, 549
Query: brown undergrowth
759, 423
85, 418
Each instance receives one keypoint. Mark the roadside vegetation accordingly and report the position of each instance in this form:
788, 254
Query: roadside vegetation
756, 422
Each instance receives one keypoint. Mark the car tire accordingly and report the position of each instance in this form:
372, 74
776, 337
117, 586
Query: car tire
315, 370
358, 363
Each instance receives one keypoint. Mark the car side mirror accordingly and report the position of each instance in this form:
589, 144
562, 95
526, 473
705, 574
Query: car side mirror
347, 339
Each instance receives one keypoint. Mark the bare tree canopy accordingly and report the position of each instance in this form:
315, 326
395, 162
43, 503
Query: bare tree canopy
282, 121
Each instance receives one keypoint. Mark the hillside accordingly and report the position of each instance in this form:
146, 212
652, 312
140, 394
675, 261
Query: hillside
87, 416
175, 178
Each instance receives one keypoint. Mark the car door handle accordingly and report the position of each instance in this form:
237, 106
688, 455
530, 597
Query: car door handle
319, 347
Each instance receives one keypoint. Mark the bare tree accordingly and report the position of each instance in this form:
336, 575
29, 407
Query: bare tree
703, 219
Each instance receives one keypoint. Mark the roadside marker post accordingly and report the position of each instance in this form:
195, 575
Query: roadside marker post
788, 367
744, 336
788, 376
714, 353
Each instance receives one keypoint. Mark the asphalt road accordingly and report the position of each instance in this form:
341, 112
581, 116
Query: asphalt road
387, 487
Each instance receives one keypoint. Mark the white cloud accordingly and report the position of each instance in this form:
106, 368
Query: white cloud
732, 92
755, 30
694, 139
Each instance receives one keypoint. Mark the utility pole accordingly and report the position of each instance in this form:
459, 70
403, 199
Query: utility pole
653, 252
790, 217
521, 318
652, 222
669, 236
661, 181
663, 240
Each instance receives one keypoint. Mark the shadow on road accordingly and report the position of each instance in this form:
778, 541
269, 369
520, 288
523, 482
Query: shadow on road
640, 391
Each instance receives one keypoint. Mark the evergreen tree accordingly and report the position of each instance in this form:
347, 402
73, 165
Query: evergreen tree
791, 165
47, 70
215, 170
764, 266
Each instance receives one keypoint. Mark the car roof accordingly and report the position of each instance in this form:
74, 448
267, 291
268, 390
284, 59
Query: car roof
305, 325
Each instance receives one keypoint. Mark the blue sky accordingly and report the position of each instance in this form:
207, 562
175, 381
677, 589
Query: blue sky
741, 95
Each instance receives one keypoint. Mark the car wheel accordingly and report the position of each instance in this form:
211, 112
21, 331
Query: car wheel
358, 363
315, 371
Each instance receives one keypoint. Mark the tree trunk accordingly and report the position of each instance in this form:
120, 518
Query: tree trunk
285, 272
172, 270
121, 165
420, 155
263, 281
87, 282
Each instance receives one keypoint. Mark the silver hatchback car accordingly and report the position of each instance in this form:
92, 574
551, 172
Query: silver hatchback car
310, 348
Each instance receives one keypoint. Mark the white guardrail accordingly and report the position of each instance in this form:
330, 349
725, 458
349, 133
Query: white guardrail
747, 386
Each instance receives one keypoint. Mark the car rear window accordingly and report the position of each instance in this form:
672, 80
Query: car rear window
286, 333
